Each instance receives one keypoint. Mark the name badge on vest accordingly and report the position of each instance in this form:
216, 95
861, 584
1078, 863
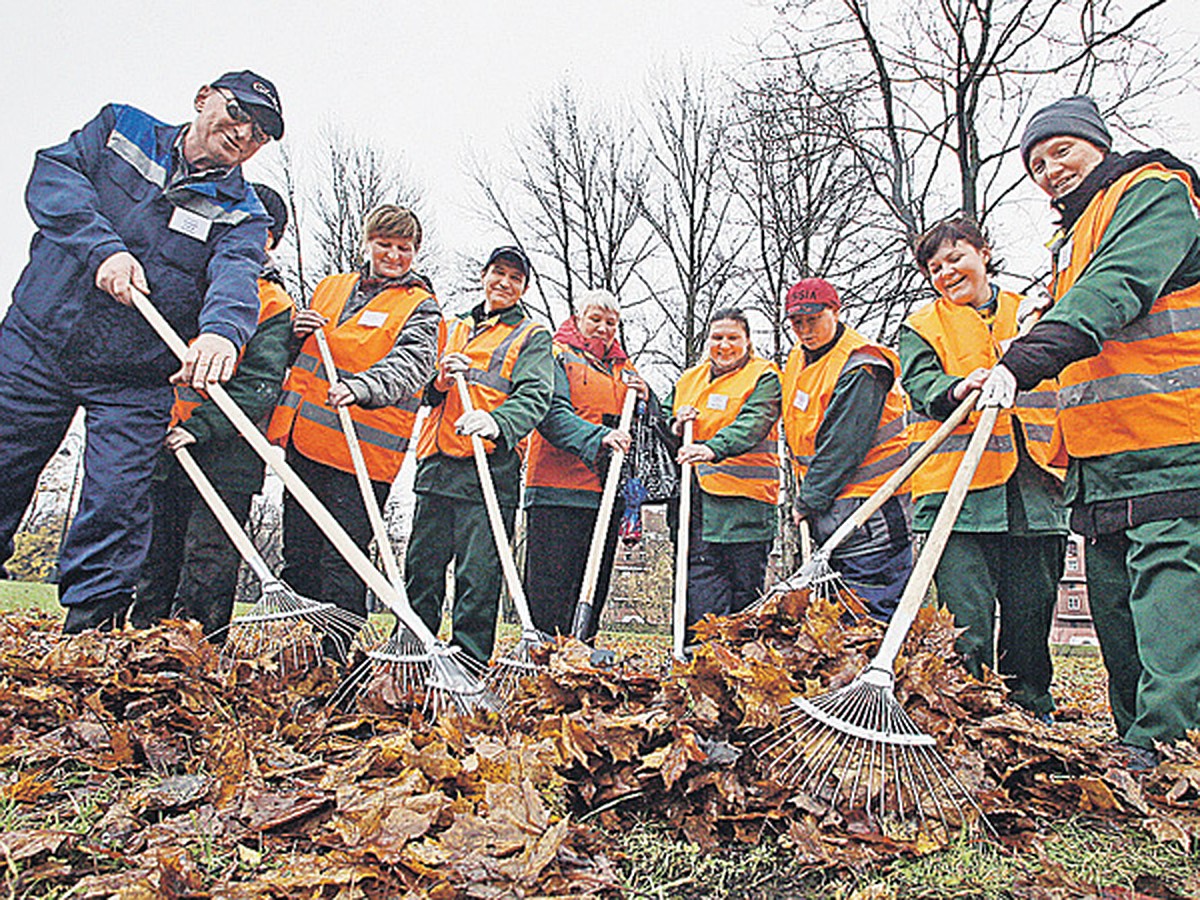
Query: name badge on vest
372, 318
717, 401
800, 401
189, 223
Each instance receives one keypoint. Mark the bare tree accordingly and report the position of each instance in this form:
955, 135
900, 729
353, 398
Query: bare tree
353, 176
689, 205
804, 196
931, 96
578, 178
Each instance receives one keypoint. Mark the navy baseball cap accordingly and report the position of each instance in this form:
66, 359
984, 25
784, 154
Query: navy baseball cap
514, 256
259, 98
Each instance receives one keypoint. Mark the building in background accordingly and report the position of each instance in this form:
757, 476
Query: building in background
1072, 624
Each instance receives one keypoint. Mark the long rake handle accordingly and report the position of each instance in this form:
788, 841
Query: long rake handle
884, 492
591, 570
337, 535
679, 611
233, 528
390, 567
499, 535
935, 543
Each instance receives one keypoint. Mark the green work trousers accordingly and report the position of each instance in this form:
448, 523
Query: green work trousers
443, 529
1144, 592
1021, 573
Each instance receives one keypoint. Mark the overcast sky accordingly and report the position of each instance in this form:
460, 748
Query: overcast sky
427, 79
424, 78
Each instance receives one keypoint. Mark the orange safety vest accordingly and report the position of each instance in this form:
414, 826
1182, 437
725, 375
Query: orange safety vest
305, 419
595, 393
493, 348
1142, 391
964, 343
273, 300
807, 392
754, 474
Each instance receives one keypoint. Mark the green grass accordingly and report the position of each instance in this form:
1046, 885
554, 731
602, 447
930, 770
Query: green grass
1079, 855
17, 595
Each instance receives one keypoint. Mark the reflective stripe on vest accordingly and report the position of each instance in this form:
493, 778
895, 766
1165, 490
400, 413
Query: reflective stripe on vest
596, 390
302, 416
1142, 391
754, 474
272, 300
814, 384
493, 349
963, 343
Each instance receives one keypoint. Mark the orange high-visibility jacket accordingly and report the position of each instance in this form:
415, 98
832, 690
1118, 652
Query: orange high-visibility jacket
963, 343
595, 393
273, 300
305, 419
493, 348
1142, 391
754, 474
807, 392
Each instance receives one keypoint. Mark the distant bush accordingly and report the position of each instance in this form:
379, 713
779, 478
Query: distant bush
36, 553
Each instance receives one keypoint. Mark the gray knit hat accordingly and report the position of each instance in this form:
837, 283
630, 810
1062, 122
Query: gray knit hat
1076, 116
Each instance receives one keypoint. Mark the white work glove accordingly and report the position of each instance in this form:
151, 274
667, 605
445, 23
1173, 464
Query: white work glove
478, 422
1000, 389
454, 363
1036, 302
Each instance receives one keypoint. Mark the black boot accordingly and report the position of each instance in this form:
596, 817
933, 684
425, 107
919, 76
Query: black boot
101, 613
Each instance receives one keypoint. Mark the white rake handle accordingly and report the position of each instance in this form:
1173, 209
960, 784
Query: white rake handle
679, 617
935, 543
806, 548
591, 570
499, 535
233, 528
884, 492
382, 540
337, 535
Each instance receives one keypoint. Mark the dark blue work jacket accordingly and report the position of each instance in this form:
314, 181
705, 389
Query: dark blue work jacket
109, 188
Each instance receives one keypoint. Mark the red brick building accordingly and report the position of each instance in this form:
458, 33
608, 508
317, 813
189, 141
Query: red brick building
1072, 623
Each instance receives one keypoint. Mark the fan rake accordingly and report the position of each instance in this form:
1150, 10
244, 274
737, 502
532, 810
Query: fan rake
450, 684
856, 747
401, 666
504, 677
816, 574
295, 630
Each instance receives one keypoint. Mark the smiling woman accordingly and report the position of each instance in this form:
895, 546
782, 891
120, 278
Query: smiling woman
733, 400
382, 325
504, 358
1009, 538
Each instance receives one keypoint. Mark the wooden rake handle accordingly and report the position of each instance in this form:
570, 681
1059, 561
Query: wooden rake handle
935, 543
337, 535
508, 564
224, 515
390, 567
679, 610
591, 570
884, 492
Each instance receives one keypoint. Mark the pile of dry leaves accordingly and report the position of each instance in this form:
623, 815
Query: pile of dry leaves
211, 782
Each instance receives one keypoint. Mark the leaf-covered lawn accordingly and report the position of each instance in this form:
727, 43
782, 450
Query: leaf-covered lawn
135, 765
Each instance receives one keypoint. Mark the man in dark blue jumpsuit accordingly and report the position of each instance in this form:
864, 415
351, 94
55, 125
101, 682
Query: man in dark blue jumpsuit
127, 202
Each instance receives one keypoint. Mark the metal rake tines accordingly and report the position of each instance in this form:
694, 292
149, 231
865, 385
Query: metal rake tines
456, 684
503, 677
402, 672
399, 667
299, 631
856, 748
819, 578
